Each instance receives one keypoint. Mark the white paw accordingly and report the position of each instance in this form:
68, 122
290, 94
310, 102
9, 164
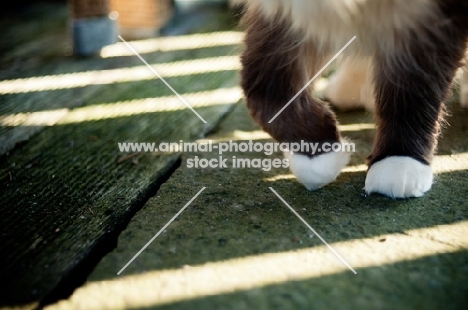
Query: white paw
399, 177
319, 170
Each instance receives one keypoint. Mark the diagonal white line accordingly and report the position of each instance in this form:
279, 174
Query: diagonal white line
162, 79
310, 82
313, 230
162, 229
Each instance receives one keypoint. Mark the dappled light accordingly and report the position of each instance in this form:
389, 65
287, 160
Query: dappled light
441, 164
101, 152
71, 113
43, 118
356, 127
280, 177
250, 135
154, 288
450, 163
170, 44
120, 109
112, 76
238, 135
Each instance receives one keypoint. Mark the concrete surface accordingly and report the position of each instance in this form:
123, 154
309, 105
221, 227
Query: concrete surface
236, 246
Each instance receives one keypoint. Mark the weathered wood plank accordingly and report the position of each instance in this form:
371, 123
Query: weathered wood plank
66, 194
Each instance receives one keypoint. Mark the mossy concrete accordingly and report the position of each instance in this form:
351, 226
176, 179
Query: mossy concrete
237, 217
66, 196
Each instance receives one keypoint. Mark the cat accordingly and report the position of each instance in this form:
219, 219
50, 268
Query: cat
401, 65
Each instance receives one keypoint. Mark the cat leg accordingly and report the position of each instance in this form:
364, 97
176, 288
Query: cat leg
410, 84
276, 64
350, 87
464, 87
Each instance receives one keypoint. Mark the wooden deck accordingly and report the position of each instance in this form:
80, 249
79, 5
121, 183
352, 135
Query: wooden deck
67, 190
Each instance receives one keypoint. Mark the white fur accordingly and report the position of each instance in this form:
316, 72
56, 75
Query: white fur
317, 171
399, 177
350, 87
332, 23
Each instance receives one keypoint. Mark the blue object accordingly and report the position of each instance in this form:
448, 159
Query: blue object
90, 35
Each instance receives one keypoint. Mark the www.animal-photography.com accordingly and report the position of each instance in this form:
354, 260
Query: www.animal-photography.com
234, 154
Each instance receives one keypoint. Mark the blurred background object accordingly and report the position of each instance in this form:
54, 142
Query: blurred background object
188, 5
140, 19
91, 25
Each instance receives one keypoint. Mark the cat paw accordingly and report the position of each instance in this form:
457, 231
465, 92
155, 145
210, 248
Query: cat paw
399, 177
318, 171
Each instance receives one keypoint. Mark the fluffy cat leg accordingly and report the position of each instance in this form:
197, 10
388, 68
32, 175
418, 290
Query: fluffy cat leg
464, 87
410, 89
275, 68
350, 86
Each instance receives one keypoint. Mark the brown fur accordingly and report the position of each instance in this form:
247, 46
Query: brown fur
411, 81
276, 65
